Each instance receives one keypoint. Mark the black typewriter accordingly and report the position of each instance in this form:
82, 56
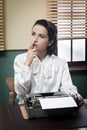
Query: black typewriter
34, 108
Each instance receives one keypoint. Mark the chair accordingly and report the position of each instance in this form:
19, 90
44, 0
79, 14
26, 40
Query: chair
10, 85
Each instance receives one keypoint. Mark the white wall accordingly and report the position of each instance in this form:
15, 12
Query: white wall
20, 15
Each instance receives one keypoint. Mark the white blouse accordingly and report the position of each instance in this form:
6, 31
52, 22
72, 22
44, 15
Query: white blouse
50, 75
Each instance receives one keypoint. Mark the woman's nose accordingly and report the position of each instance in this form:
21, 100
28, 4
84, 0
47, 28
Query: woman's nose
35, 38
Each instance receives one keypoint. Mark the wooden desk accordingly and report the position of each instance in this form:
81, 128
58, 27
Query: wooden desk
5, 120
14, 117
25, 116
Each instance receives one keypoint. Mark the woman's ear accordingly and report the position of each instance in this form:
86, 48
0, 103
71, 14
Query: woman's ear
50, 43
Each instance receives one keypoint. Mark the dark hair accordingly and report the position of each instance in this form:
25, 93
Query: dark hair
52, 34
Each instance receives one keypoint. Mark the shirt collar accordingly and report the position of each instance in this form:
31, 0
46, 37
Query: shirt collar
37, 64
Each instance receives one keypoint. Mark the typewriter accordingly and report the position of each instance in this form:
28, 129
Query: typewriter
34, 108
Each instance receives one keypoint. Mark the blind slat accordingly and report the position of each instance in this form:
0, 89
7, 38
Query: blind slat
70, 16
2, 42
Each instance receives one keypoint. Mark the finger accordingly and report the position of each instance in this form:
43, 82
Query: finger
80, 100
30, 46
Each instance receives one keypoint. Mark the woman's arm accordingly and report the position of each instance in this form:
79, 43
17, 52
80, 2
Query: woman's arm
67, 85
22, 76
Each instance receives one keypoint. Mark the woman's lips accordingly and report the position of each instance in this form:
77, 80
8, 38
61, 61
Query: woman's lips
35, 46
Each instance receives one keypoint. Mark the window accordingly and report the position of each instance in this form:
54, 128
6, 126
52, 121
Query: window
72, 52
70, 17
2, 44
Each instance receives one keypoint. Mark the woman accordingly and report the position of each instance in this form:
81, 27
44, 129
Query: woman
40, 70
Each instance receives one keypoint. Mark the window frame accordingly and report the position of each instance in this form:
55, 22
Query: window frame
52, 16
79, 65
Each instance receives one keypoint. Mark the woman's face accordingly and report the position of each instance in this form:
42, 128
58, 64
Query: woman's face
39, 38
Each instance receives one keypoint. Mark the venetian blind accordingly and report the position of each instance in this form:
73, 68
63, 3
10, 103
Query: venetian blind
2, 25
70, 16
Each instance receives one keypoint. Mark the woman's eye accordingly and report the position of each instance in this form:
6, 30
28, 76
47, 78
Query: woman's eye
41, 36
33, 33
